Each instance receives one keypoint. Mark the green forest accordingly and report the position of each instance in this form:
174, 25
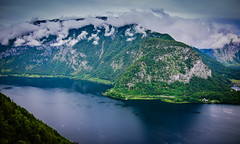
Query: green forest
148, 84
193, 92
148, 62
18, 126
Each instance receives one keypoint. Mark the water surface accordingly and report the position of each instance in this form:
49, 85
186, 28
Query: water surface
78, 111
236, 88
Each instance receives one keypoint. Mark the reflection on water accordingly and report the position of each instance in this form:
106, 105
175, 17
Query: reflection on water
236, 88
79, 112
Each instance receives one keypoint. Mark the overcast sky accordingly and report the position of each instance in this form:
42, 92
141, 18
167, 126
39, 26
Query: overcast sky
199, 23
12, 11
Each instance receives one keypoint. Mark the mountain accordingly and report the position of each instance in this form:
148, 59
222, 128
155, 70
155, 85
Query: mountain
141, 63
102, 52
173, 72
229, 55
217, 67
19, 126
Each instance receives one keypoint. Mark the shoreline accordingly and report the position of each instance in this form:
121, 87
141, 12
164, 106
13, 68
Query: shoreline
96, 80
122, 96
167, 99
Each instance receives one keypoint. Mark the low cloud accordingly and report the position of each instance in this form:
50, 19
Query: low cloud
95, 38
109, 32
128, 33
140, 29
19, 42
70, 41
14, 31
83, 35
195, 32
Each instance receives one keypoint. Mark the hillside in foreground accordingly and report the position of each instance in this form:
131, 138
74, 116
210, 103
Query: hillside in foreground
18, 126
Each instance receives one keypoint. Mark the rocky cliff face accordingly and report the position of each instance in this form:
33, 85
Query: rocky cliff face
86, 51
199, 69
138, 61
229, 55
104, 51
165, 61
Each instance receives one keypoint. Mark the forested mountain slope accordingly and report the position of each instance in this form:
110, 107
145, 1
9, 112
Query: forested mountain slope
139, 62
19, 126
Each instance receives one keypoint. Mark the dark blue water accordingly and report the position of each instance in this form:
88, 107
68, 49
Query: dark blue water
78, 111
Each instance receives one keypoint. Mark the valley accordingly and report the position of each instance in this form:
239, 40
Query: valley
78, 111
139, 63
119, 72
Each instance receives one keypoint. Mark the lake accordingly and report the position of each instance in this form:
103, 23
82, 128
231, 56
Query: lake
79, 112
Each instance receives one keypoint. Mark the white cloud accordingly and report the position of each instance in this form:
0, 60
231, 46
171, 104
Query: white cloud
128, 33
34, 42
221, 39
195, 32
140, 29
107, 31
95, 38
83, 35
19, 42
73, 24
61, 42
53, 27
72, 42
14, 31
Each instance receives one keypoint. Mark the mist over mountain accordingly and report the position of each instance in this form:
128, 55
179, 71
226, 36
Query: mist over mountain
85, 50
140, 62
120, 71
229, 55
199, 33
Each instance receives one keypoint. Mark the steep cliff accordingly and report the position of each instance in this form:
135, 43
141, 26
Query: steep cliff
229, 55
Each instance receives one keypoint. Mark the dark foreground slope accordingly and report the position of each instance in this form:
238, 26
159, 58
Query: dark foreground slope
17, 125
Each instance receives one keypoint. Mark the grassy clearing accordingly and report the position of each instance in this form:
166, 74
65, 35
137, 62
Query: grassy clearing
169, 99
235, 81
